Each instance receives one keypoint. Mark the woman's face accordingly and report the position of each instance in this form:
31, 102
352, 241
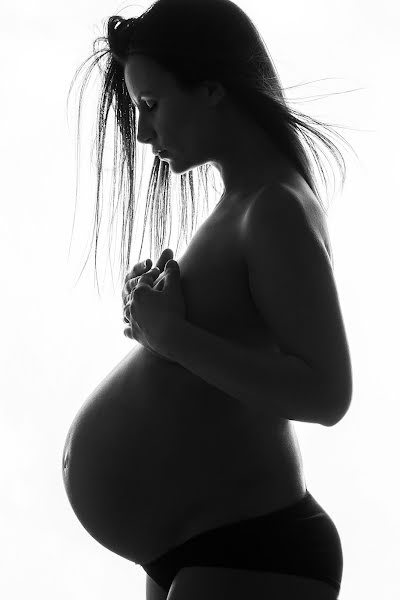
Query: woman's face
201, 126
179, 122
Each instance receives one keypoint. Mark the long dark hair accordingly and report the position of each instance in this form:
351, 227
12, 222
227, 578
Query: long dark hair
195, 40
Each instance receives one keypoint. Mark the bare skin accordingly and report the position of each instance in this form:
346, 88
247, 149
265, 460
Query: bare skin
156, 455
202, 126
131, 281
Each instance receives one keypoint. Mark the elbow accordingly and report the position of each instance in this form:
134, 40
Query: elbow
335, 388
333, 420
339, 412
337, 403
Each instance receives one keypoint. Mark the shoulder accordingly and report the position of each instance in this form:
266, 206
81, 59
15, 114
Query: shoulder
281, 210
278, 199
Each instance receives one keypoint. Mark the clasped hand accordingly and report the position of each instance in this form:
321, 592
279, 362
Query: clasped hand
152, 314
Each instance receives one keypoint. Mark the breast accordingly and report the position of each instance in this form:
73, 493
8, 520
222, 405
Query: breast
153, 442
215, 283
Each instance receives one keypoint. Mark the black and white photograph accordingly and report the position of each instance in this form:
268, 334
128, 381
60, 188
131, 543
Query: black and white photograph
199, 240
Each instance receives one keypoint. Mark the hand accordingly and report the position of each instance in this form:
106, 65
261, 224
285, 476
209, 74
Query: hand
153, 314
132, 279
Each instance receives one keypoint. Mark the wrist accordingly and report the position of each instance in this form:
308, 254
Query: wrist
165, 344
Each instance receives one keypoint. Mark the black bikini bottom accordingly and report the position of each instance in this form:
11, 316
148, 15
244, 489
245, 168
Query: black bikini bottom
300, 540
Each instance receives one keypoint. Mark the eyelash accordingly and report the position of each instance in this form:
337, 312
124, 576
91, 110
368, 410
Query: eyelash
148, 108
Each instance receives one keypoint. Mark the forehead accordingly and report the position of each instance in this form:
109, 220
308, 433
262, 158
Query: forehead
143, 74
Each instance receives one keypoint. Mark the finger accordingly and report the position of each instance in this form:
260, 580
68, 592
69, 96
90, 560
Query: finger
139, 269
149, 277
144, 266
133, 276
127, 312
145, 281
132, 283
166, 255
146, 278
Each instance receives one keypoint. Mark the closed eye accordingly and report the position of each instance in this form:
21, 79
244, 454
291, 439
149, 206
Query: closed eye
150, 107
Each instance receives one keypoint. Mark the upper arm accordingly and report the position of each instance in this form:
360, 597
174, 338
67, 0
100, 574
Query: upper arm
292, 285
154, 591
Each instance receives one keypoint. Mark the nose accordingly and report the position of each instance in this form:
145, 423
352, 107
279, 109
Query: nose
144, 130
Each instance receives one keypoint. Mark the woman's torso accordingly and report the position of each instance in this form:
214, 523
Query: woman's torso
157, 455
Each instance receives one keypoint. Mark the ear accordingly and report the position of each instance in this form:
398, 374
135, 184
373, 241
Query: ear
214, 92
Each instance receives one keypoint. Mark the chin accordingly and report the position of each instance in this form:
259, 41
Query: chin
180, 167
177, 167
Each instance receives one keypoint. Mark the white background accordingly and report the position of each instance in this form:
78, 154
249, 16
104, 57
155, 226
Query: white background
59, 339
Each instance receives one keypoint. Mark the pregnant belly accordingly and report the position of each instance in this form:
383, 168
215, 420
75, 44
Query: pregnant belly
148, 449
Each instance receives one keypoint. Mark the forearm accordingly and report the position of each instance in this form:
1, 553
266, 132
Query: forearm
282, 384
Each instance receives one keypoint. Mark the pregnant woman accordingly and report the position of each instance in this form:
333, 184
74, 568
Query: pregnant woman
185, 459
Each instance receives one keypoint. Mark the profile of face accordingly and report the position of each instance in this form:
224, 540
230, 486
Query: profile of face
183, 123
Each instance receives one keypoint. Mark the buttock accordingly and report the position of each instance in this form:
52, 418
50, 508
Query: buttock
300, 539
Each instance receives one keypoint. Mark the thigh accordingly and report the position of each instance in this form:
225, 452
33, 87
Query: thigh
154, 591
215, 583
